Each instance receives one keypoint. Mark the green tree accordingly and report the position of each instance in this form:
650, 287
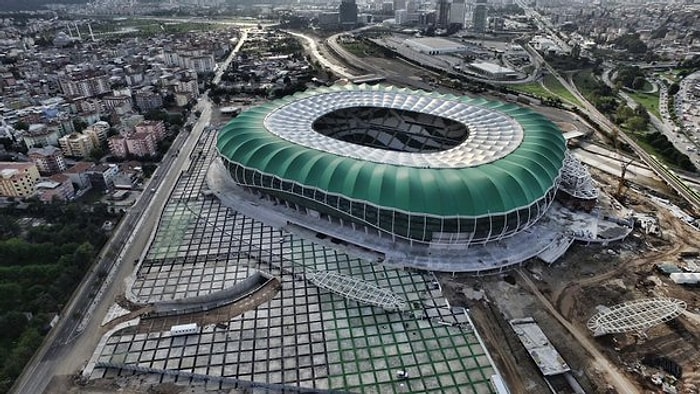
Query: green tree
79, 125
673, 89
21, 125
12, 324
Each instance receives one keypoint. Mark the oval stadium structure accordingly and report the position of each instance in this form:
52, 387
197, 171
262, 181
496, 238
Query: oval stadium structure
414, 166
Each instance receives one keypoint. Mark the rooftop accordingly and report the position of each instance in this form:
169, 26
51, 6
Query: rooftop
510, 158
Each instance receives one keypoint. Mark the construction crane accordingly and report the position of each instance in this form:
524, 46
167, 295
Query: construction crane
622, 183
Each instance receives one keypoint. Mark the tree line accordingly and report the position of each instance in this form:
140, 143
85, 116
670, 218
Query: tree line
45, 249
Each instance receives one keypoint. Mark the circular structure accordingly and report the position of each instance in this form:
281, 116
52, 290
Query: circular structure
447, 134
637, 315
416, 166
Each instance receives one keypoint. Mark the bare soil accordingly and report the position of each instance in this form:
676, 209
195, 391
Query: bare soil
585, 278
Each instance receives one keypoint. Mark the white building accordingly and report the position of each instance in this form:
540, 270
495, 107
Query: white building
435, 46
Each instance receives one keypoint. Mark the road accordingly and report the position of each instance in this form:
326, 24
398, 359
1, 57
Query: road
680, 141
664, 173
72, 341
427, 62
311, 47
668, 176
222, 67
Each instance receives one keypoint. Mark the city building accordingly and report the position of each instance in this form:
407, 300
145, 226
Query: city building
480, 16
119, 104
40, 134
84, 85
146, 99
56, 187
18, 179
157, 128
117, 146
348, 14
435, 45
443, 13
401, 17
196, 59
97, 132
49, 160
78, 174
458, 13
141, 144
76, 145
102, 176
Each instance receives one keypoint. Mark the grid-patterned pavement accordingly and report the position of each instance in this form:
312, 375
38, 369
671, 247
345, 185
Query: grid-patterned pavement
305, 336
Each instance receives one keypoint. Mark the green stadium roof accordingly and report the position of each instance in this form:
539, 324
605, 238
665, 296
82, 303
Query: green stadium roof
516, 180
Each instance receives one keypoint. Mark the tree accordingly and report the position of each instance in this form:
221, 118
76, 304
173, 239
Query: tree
638, 83
96, 154
673, 89
21, 125
637, 123
12, 323
575, 51
79, 125
631, 43
626, 76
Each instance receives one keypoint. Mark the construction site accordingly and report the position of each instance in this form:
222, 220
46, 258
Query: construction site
623, 317
222, 301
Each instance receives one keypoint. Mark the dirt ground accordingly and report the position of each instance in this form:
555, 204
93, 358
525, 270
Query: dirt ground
585, 278
132, 385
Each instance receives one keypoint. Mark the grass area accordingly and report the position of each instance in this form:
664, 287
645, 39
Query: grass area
586, 82
670, 75
650, 101
647, 86
551, 83
533, 88
667, 155
360, 49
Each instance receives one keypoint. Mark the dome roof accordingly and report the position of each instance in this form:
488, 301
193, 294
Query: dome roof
511, 158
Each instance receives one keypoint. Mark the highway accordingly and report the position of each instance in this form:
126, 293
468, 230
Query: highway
675, 182
668, 176
311, 46
69, 345
679, 140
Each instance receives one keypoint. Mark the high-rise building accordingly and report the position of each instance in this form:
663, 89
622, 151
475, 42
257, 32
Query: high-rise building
443, 13
141, 144
480, 14
18, 179
348, 13
49, 160
411, 6
458, 12
86, 85
76, 145
117, 146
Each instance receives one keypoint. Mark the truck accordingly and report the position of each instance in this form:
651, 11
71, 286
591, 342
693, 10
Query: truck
184, 329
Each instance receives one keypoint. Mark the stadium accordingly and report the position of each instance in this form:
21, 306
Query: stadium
416, 179
411, 166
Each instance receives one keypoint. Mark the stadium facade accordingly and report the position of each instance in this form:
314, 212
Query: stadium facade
413, 166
